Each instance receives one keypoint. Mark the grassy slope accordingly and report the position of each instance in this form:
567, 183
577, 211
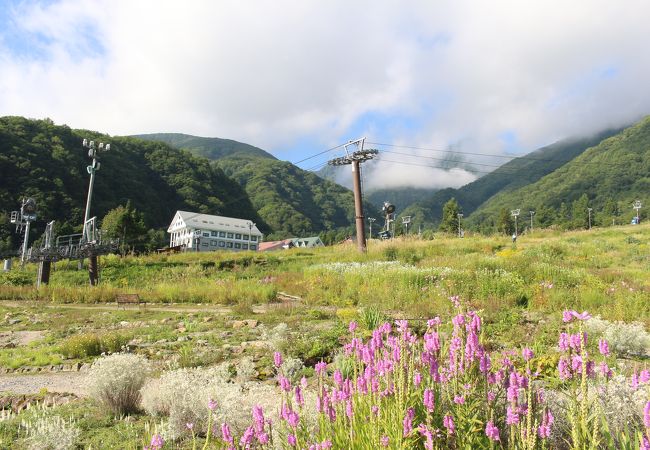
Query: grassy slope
616, 169
211, 148
511, 176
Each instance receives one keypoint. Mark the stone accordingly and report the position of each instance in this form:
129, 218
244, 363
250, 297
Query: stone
207, 319
181, 329
124, 323
236, 324
13, 321
182, 338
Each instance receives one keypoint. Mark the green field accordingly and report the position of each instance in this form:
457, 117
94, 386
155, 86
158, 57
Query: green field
301, 301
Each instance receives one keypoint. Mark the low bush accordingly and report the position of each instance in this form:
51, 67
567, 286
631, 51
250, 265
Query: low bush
116, 381
45, 432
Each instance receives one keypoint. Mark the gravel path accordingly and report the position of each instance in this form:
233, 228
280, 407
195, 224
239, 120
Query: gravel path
53, 382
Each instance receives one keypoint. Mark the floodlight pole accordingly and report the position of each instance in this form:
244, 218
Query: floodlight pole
370, 221
92, 169
637, 206
460, 216
589, 213
355, 159
532, 213
515, 213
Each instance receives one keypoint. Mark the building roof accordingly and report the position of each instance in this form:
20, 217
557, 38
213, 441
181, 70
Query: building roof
308, 241
210, 222
275, 245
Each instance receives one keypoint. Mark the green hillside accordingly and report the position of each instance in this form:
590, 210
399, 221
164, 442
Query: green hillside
47, 162
211, 148
607, 178
509, 177
292, 201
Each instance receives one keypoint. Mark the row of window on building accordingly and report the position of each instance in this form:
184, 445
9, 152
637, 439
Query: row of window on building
228, 244
224, 234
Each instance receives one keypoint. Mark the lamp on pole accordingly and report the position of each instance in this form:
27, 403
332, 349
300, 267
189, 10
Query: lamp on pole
86, 237
460, 216
532, 213
637, 206
515, 213
589, 214
370, 221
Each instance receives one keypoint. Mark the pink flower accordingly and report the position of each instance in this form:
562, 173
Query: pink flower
298, 396
512, 416
644, 444
564, 342
417, 378
348, 409
293, 419
568, 316
527, 354
459, 400
189, 426
285, 384
491, 431
603, 347
247, 437
326, 444
212, 404
407, 423
448, 422
352, 326
320, 367
429, 400
226, 434
277, 359
291, 440
646, 415
385, 441
157, 442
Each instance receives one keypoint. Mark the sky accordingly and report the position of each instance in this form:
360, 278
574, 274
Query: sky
299, 77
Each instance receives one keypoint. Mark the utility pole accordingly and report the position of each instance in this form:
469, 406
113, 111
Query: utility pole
86, 237
370, 221
460, 216
637, 206
515, 213
355, 159
532, 213
589, 213
44, 266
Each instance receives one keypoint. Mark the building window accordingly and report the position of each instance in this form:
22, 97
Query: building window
253, 247
246, 237
229, 244
213, 243
237, 245
229, 235
205, 244
238, 236
254, 238
213, 233
222, 244
222, 234
206, 234
244, 246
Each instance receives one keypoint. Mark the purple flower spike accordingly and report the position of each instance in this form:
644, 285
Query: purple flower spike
320, 367
385, 441
157, 442
527, 354
212, 404
226, 434
352, 327
646, 415
448, 422
603, 347
277, 359
491, 431
291, 440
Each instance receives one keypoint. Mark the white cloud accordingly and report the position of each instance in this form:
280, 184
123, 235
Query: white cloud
274, 72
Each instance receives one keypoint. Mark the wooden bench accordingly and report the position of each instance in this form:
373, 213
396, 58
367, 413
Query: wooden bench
129, 299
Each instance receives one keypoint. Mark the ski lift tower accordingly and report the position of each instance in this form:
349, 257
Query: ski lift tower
355, 159
23, 219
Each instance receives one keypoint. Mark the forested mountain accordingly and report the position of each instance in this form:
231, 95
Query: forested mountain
211, 148
292, 201
510, 176
607, 178
46, 161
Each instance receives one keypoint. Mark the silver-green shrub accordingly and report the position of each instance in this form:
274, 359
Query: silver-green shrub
116, 380
624, 338
182, 396
46, 432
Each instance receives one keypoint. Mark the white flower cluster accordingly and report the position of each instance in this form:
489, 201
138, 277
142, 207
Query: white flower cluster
379, 267
182, 395
276, 336
624, 338
45, 432
116, 381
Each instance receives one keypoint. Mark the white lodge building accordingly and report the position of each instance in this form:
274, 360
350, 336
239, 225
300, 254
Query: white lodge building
204, 233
